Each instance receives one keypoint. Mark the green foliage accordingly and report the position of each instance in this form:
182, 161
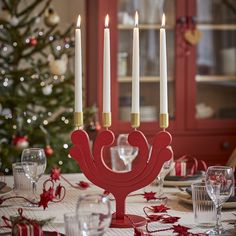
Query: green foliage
34, 102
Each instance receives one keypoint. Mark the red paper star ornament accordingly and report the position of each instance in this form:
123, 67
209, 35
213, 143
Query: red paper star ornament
181, 230
170, 219
83, 184
46, 197
55, 174
58, 191
159, 208
149, 196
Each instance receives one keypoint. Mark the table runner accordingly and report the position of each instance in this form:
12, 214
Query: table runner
134, 205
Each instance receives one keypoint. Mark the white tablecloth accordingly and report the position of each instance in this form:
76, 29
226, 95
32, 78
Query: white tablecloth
134, 205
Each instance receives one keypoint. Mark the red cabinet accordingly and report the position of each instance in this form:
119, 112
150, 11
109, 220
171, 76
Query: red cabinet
201, 72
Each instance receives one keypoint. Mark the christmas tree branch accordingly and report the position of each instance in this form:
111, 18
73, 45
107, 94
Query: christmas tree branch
41, 46
6, 5
3, 39
30, 7
32, 20
14, 6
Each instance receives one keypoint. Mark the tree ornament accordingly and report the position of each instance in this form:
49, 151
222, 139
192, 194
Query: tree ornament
5, 14
14, 21
193, 37
33, 41
58, 66
20, 142
51, 17
37, 20
48, 151
47, 90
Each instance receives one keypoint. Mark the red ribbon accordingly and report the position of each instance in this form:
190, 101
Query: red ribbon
195, 166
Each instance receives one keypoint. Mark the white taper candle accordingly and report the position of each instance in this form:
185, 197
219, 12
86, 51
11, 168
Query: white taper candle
106, 69
78, 68
135, 68
163, 70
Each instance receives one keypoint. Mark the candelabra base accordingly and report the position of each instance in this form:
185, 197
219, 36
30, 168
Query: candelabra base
128, 222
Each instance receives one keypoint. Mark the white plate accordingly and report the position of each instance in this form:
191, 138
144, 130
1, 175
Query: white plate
182, 183
186, 198
5, 190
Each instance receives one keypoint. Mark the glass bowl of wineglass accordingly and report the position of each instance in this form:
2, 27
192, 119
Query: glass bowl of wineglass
166, 168
34, 163
126, 152
219, 186
93, 214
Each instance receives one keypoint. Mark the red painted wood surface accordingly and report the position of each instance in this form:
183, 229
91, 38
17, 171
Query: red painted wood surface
185, 128
120, 184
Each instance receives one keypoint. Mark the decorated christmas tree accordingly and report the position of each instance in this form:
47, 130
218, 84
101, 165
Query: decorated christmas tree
36, 85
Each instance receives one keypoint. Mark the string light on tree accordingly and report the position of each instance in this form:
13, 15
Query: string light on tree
32, 77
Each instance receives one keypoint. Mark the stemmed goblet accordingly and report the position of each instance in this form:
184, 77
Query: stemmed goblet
166, 168
93, 214
126, 152
34, 163
219, 186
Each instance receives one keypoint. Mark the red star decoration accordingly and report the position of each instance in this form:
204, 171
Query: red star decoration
58, 191
149, 196
46, 197
83, 184
160, 208
55, 174
181, 230
170, 219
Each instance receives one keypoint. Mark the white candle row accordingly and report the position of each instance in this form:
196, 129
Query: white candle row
135, 69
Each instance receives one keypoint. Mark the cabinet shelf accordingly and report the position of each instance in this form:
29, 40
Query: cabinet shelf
143, 79
202, 79
214, 78
144, 27
216, 26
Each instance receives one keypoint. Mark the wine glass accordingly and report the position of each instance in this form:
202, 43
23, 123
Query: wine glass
126, 152
219, 186
34, 163
166, 168
93, 214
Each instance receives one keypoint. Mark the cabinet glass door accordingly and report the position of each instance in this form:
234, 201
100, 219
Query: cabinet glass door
216, 60
150, 14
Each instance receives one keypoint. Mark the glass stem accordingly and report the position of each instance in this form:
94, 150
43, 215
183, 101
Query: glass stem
34, 189
218, 225
161, 185
129, 166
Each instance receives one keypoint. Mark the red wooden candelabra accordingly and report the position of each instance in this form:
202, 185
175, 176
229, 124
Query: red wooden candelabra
149, 164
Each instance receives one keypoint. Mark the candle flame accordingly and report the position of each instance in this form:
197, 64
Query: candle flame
106, 21
163, 21
78, 21
136, 19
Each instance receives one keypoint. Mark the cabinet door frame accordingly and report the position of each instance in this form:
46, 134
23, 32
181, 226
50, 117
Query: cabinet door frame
228, 125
